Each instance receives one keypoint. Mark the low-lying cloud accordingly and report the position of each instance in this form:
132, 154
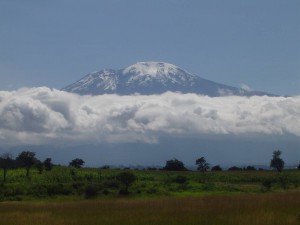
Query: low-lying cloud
46, 116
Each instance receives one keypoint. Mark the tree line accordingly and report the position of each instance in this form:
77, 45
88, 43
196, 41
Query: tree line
27, 160
276, 163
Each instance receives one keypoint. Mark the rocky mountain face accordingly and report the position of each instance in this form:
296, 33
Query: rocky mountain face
151, 78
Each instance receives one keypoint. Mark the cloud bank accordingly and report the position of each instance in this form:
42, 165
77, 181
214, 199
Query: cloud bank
45, 116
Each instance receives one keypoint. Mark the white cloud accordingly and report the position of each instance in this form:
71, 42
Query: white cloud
45, 116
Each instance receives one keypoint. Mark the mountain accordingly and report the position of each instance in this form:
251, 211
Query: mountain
151, 78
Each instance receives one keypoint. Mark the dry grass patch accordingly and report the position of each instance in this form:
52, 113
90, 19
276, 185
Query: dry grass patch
254, 209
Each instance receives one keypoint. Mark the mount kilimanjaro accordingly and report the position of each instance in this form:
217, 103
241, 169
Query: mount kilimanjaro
148, 78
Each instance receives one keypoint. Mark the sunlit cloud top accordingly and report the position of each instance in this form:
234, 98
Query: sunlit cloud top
46, 116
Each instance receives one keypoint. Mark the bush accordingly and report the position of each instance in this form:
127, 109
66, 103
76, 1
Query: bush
123, 192
126, 178
111, 184
39, 190
250, 168
267, 184
106, 192
235, 168
180, 179
59, 189
208, 187
91, 191
283, 181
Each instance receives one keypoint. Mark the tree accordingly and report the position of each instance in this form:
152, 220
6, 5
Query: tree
48, 164
234, 168
250, 168
298, 167
203, 166
276, 162
174, 165
6, 163
126, 178
27, 160
40, 166
77, 163
216, 168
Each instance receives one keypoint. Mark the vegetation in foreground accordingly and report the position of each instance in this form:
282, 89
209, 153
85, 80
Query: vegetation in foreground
172, 195
93, 183
26, 177
254, 209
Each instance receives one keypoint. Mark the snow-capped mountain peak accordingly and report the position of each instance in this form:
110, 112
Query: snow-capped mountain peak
151, 78
151, 69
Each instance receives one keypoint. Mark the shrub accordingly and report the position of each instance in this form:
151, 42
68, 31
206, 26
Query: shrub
123, 192
59, 189
39, 190
250, 168
208, 187
91, 191
235, 168
267, 184
283, 181
126, 178
180, 179
111, 184
106, 192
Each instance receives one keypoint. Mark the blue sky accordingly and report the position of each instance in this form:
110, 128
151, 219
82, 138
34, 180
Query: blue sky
54, 43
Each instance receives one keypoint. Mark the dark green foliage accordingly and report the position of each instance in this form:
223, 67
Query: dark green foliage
111, 184
91, 191
27, 159
276, 162
106, 192
48, 164
174, 165
216, 168
283, 180
203, 166
126, 178
234, 168
208, 186
89, 182
6, 163
78, 187
59, 189
40, 166
77, 163
298, 167
267, 183
180, 179
106, 167
151, 168
250, 168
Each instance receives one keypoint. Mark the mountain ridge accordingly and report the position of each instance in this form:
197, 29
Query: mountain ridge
152, 78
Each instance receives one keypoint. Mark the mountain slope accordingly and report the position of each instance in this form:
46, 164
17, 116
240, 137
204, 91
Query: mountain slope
151, 78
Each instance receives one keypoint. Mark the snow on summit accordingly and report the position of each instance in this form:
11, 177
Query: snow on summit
151, 68
148, 78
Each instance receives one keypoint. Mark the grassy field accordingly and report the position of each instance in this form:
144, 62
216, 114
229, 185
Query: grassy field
156, 197
255, 209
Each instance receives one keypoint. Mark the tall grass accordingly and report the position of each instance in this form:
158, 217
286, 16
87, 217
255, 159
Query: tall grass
254, 209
